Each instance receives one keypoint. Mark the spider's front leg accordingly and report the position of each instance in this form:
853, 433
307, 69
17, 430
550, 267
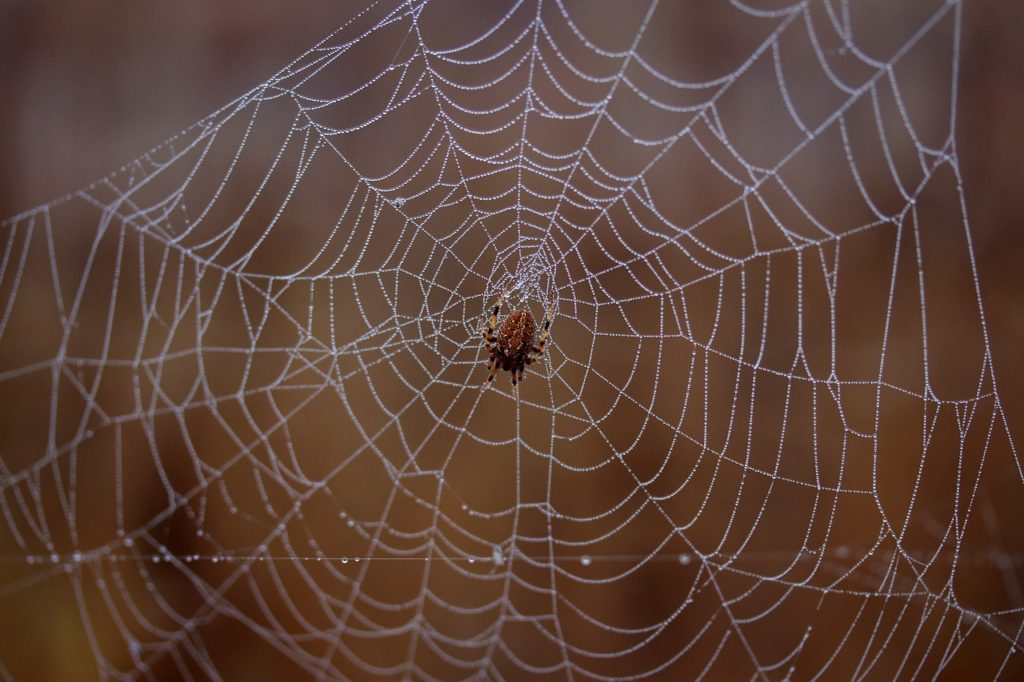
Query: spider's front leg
492, 369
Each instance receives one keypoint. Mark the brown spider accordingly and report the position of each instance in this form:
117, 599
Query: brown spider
512, 348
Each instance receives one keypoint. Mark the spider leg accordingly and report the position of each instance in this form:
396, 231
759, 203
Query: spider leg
488, 331
539, 348
493, 371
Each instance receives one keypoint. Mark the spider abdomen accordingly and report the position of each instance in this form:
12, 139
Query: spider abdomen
515, 338
511, 344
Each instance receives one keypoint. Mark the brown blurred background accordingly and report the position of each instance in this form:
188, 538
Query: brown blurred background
90, 86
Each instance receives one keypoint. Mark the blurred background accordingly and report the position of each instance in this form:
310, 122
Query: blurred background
91, 86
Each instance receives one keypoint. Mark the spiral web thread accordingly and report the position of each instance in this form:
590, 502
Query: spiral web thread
245, 372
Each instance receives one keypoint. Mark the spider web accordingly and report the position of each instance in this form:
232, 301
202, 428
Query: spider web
245, 429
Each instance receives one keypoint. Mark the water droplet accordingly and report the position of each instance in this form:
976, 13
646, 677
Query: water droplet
472, 560
398, 202
350, 523
344, 559
585, 559
54, 558
128, 542
684, 559
76, 557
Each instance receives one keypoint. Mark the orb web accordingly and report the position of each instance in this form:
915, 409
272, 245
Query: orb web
244, 374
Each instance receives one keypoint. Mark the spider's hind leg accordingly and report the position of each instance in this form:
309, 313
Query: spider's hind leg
539, 348
488, 330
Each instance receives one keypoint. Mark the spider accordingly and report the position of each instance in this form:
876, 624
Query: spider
512, 348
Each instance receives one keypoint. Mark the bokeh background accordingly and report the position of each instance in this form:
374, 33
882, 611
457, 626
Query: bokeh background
89, 86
